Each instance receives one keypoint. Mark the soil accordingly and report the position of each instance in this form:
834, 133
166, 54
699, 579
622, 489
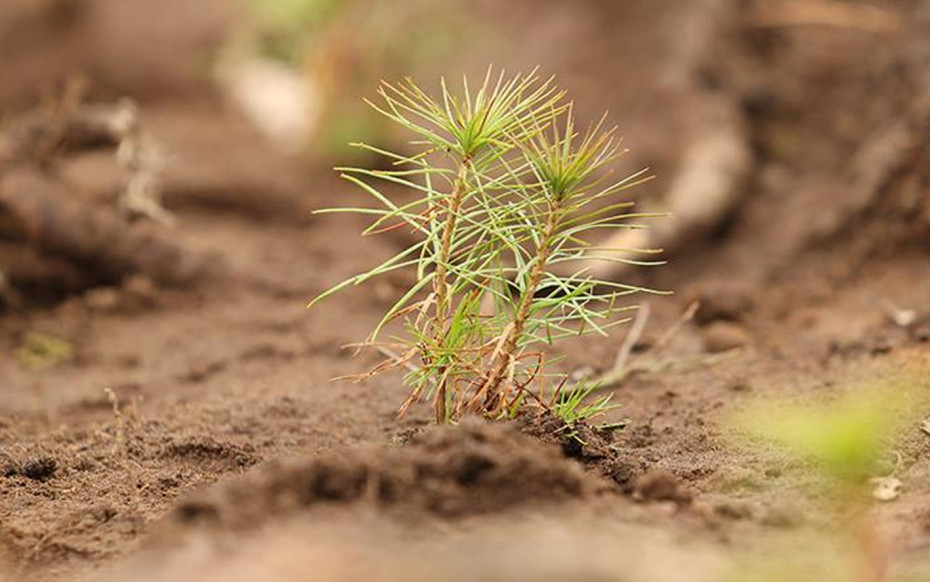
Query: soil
193, 431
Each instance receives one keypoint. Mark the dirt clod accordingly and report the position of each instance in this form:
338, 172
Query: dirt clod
592, 447
447, 471
41, 468
722, 303
210, 451
921, 333
660, 485
783, 517
724, 336
733, 510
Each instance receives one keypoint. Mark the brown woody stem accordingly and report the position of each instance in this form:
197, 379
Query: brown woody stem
491, 388
440, 284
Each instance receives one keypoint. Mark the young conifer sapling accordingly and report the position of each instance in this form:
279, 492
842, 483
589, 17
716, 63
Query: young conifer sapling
506, 193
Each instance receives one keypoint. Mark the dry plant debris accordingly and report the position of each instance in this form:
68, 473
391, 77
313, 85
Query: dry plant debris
51, 233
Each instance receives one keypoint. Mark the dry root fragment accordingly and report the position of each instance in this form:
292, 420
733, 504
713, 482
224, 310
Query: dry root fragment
146, 162
42, 136
71, 244
60, 226
716, 163
830, 13
709, 187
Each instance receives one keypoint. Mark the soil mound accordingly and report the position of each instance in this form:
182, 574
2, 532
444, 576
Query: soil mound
448, 471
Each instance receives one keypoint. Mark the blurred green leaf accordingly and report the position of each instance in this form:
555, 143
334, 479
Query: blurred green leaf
42, 352
291, 15
848, 435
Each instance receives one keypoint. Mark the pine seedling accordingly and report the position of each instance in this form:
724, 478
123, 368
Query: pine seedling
506, 191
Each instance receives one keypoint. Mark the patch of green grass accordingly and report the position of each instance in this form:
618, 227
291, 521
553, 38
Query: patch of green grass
42, 352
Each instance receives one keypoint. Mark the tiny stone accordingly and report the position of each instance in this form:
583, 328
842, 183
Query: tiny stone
902, 317
140, 291
886, 488
583, 373
722, 303
723, 336
740, 385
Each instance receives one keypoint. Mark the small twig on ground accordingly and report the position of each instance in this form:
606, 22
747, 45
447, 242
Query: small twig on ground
121, 449
72, 126
54, 222
687, 362
657, 366
832, 13
671, 332
623, 369
639, 325
145, 161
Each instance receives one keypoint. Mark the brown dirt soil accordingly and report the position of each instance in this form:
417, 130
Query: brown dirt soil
194, 434
471, 469
569, 543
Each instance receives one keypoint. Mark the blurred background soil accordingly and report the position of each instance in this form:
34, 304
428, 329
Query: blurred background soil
166, 409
